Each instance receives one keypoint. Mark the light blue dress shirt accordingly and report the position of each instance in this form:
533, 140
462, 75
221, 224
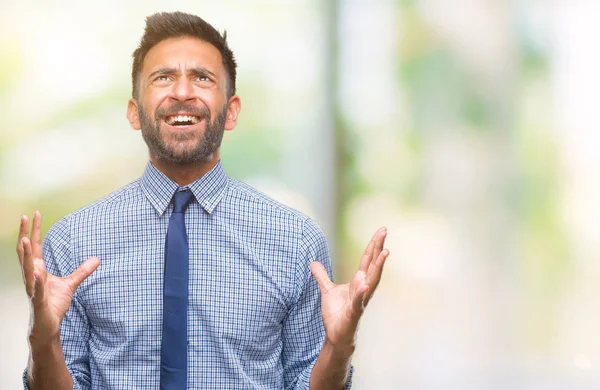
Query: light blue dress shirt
254, 316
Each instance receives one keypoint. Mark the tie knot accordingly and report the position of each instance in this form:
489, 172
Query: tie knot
181, 201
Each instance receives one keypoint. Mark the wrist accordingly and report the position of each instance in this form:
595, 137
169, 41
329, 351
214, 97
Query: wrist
42, 341
341, 345
340, 350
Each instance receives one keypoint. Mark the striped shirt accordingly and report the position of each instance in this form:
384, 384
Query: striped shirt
254, 316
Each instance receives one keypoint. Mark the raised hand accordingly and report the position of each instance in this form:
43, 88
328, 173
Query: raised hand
342, 305
50, 296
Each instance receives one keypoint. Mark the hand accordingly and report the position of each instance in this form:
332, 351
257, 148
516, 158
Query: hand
342, 305
50, 296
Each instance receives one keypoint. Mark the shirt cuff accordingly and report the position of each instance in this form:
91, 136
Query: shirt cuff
76, 385
349, 382
25, 380
304, 380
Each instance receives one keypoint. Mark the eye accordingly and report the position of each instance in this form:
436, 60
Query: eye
202, 78
162, 78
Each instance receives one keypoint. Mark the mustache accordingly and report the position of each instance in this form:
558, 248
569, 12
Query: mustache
201, 112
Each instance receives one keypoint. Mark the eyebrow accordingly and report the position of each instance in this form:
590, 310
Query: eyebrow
198, 71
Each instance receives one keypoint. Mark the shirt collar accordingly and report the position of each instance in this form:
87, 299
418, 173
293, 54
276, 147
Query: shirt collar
159, 189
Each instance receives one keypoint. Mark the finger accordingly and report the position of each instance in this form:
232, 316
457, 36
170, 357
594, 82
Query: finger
27, 265
320, 273
357, 308
367, 256
379, 241
374, 275
357, 280
376, 269
36, 240
23, 229
39, 282
371, 252
81, 273
358, 300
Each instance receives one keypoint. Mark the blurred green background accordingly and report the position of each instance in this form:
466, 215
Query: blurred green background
466, 127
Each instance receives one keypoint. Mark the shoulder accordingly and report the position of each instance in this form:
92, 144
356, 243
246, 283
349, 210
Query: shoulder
247, 197
125, 194
94, 210
259, 211
59, 240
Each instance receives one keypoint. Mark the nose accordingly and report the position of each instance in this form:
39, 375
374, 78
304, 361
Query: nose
183, 90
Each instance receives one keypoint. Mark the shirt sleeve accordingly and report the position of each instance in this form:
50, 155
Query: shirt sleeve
74, 329
303, 331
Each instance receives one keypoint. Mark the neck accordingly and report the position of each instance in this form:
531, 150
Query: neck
184, 174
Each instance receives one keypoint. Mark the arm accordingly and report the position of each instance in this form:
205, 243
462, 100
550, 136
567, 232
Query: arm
342, 306
51, 372
303, 332
332, 369
50, 297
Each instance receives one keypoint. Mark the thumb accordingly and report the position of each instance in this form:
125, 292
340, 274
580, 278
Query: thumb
320, 273
84, 270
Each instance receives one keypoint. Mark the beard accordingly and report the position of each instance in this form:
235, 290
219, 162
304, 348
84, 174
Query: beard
169, 150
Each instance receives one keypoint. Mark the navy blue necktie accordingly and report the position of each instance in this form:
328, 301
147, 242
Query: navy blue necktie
173, 357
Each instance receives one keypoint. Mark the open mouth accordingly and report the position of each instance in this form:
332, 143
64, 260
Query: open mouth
181, 120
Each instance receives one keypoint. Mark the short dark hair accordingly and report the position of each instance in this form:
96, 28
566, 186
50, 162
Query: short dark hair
165, 25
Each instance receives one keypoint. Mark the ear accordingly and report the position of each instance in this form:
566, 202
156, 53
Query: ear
133, 115
234, 105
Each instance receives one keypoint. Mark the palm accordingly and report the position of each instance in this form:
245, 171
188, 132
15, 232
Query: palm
51, 309
60, 295
342, 305
337, 311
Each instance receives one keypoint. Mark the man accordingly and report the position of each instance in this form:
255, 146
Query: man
205, 282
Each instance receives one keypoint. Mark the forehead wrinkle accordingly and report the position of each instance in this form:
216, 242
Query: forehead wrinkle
169, 54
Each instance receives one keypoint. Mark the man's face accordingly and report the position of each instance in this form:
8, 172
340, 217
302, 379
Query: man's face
182, 108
